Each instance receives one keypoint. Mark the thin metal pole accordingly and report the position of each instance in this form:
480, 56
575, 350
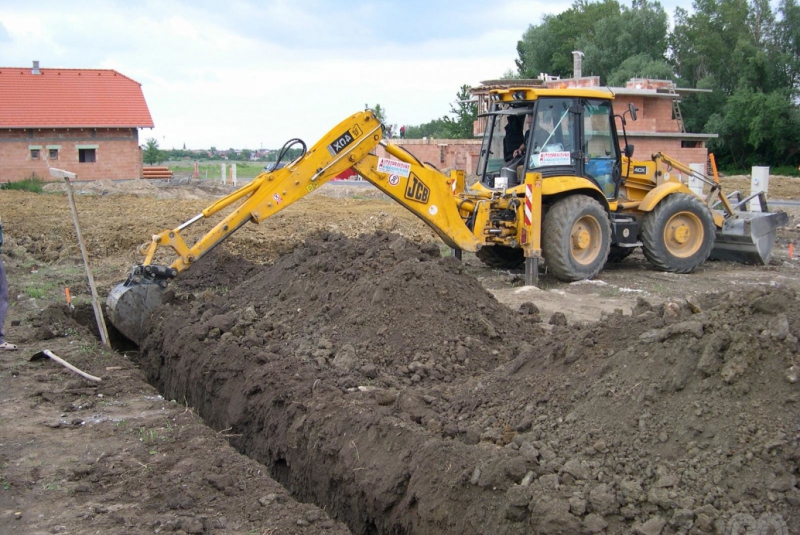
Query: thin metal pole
98, 311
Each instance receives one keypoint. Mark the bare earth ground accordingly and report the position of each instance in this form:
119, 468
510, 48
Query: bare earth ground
382, 384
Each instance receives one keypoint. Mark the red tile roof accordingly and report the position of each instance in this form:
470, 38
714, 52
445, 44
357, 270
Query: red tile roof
66, 98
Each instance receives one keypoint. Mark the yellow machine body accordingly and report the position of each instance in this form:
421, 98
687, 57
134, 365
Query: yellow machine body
563, 200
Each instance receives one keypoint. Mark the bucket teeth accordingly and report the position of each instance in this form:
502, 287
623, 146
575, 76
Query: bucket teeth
748, 237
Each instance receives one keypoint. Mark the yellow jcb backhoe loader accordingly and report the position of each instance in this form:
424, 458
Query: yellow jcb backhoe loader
563, 191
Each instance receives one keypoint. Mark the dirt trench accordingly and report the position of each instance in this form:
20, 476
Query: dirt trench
380, 382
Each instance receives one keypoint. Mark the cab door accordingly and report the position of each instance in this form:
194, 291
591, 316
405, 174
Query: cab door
601, 153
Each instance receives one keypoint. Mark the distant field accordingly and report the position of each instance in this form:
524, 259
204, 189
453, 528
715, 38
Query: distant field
211, 169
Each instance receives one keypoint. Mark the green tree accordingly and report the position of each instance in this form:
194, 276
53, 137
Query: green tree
379, 112
743, 52
465, 110
151, 154
640, 66
510, 74
757, 128
639, 31
547, 48
434, 129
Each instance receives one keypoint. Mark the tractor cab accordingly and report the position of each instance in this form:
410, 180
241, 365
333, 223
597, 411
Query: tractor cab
553, 132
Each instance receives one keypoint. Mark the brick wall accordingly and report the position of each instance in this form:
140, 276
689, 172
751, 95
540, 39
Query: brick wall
443, 153
654, 113
646, 147
117, 153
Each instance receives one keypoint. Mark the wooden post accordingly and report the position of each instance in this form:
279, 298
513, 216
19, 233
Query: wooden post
98, 311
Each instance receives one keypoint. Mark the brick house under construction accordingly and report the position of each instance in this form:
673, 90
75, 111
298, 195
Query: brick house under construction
82, 120
659, 127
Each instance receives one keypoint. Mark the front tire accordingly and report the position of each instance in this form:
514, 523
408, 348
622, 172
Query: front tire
678, 235
576, 238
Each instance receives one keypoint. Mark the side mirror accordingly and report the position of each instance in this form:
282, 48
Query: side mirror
628, 151
633, 110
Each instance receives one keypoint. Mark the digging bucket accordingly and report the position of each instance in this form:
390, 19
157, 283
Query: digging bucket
748, 237
129, 305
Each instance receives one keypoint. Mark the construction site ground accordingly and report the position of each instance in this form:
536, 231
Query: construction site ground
334, 370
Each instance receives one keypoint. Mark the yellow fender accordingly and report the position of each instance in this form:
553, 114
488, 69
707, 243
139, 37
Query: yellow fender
656, 195
562, 184
550, 186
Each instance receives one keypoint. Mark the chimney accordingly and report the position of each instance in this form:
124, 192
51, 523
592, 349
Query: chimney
35, 69
577, 60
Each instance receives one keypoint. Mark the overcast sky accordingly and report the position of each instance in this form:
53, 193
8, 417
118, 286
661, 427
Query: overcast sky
249, 74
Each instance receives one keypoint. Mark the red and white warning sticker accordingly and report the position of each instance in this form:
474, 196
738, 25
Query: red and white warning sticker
393, 167
554, 158
278, 198
394, 180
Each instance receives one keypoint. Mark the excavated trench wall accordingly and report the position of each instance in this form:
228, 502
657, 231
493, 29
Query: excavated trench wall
385, 385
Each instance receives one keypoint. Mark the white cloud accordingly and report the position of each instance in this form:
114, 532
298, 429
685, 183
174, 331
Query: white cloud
244, 73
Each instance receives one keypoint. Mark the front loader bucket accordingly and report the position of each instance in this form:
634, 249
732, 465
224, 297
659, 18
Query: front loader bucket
748, 237
129, 306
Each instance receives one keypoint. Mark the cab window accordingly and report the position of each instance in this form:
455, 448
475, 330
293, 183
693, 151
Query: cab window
552, 143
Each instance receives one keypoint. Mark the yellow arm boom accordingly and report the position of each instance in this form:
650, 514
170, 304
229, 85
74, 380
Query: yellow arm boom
425, 191
683, 168
268, 193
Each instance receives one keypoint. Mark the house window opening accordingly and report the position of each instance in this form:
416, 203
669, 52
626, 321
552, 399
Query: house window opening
87, 155
441, 154
34, 154
53, 154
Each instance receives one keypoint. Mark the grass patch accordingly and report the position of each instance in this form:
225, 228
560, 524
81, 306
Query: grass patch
39, 291
780, 170
151, 436
609, 291
51, 486
785, 170
33, 184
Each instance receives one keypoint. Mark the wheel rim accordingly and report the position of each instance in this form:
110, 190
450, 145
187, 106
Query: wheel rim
683, 234
585, 239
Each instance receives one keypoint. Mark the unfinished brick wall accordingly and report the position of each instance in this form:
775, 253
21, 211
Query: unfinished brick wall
117, 153
654, 113
459, 154
646, 147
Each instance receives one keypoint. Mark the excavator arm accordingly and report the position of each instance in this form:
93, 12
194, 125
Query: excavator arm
422, 189
347, 143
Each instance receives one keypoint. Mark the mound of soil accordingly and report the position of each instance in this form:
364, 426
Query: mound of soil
384, 384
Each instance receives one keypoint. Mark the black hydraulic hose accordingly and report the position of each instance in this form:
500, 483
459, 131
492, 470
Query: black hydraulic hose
286, 146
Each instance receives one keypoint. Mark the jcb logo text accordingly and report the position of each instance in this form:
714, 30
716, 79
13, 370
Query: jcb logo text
416, 190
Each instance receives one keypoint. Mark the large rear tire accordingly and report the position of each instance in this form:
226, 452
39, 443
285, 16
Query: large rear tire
678, 235
501, 257
576, 238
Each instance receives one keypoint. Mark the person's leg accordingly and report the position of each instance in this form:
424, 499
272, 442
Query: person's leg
3, 299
